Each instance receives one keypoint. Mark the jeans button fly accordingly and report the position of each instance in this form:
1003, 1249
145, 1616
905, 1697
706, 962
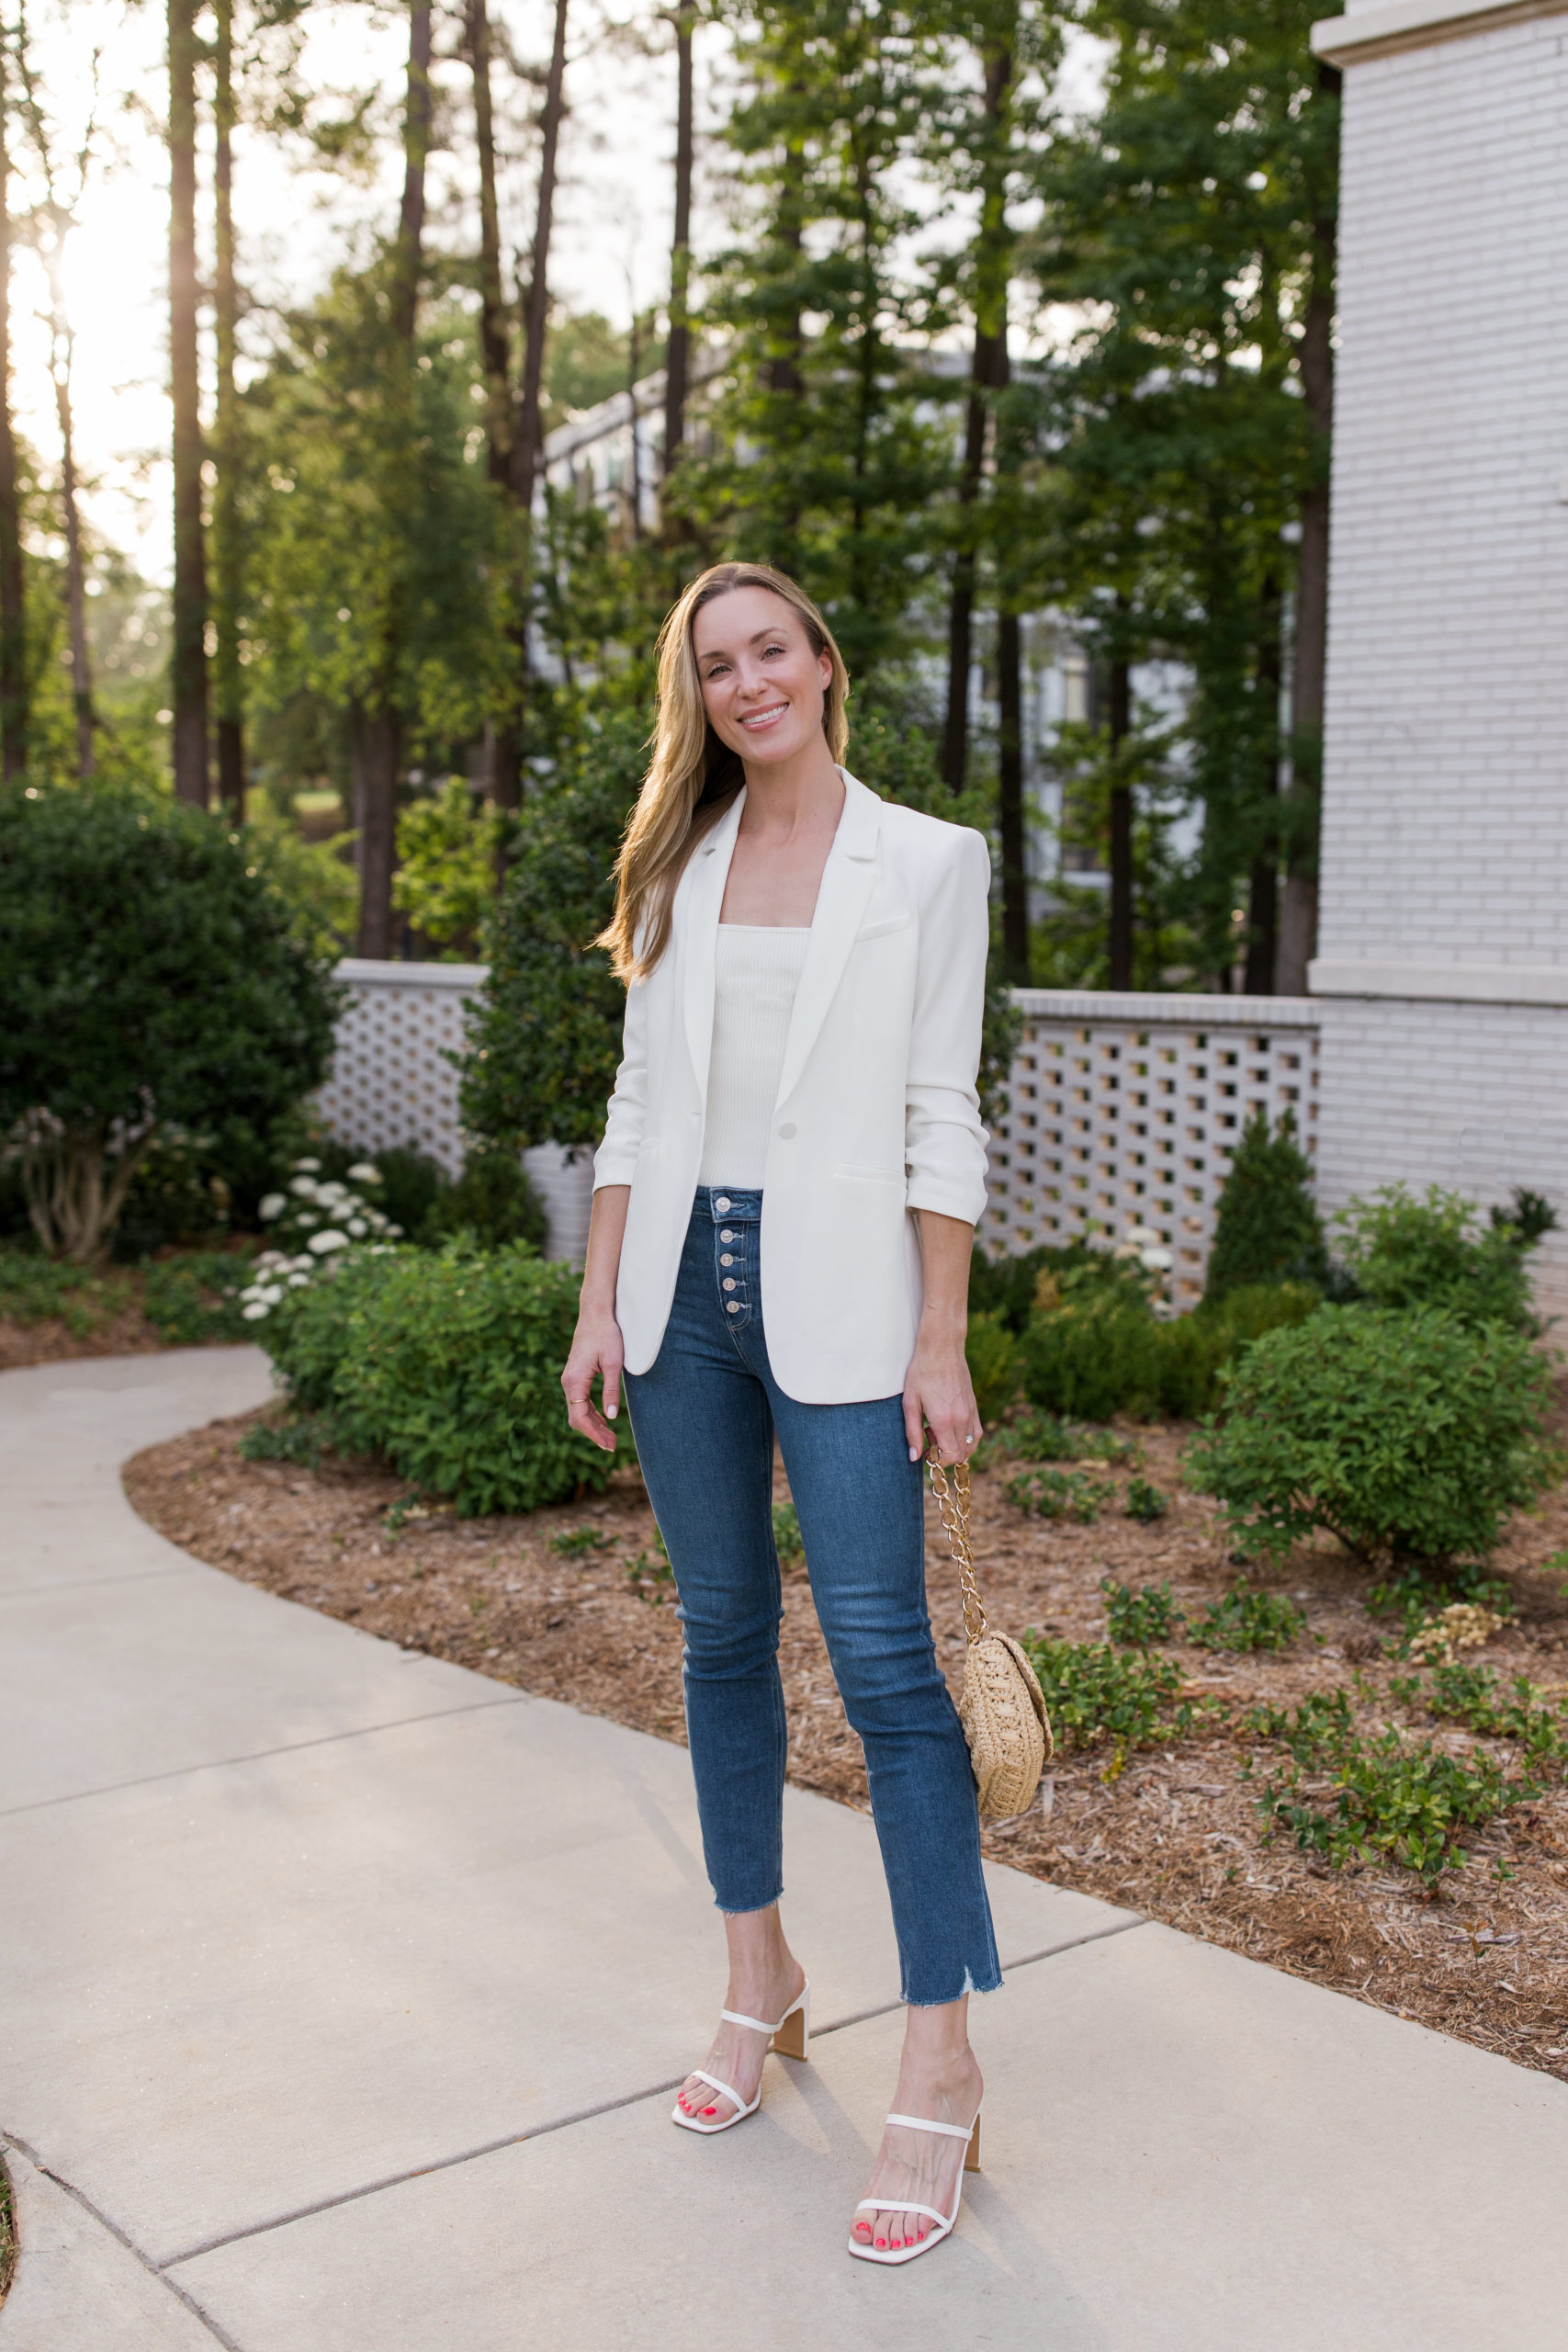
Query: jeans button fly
727, 1235
722, 1205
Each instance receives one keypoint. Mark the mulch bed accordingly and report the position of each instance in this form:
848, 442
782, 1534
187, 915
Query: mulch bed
1174, 1834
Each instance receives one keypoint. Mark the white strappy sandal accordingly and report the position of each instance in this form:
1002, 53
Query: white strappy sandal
944, 2221
790, 2038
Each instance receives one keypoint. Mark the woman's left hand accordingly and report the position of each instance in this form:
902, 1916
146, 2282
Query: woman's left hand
938, 1391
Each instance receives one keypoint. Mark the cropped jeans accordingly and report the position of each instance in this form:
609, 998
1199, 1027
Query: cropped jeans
705, 1417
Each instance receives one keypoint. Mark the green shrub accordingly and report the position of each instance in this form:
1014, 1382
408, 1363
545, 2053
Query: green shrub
1060, 1494
193, 1300
448, 1363
1145, 1502
412, 1184
1266, 1228
151, 978
1434, 1251
176, 1198
1103, 1351
788, 1542
1136, 1619
1005, 1287
36, 1289
1399, 1432
1246, 1620
492, 1200
1094, 1692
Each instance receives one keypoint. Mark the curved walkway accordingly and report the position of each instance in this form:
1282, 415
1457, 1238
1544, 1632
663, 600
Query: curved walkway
342, 1991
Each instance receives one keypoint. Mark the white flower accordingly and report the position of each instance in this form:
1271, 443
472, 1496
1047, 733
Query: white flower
332, 1191
304, 1185
390, 1228
1141, 1237
322, 1243
365, 1172
299, 1281
308, 1217
310, 1167
358, 1228
272, 1205
1158, 1261
253, 1312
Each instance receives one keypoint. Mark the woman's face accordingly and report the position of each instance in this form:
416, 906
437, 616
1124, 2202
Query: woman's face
763, 685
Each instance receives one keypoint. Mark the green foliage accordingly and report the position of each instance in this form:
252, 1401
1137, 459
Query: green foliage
448, 1363
315, 880
544, 1039
1389, 1797
1042, 1437
176, 1198
1417, 1590
193, 1301
1246, 1620
1146, 1501
1434, 1251
299, 1438
1094, 1692
492, 1201
1471, 1695
993, 1359
572, 1542
1102, 1350
1060, 1494
1313, 1733
788, 1542
35, 1289
412, 1184
450, 847
1267, 1229
152, 976
1399, 1432
1137, 1618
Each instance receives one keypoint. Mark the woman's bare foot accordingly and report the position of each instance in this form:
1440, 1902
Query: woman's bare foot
764, 1978
938, 2078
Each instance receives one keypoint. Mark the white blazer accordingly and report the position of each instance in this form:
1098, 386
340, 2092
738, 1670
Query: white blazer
876, 1113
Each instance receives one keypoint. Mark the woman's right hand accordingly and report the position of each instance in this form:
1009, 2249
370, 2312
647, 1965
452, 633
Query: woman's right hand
596, 1349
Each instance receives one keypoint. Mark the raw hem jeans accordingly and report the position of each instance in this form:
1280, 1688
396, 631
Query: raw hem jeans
705, 1417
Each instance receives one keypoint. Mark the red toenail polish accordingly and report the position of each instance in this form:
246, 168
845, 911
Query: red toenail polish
710, 2111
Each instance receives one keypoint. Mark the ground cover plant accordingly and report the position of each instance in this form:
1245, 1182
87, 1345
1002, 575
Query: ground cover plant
1434, 1250
52, 1311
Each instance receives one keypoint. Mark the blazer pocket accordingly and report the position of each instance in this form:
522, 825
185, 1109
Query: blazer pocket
883, 930
870, 1175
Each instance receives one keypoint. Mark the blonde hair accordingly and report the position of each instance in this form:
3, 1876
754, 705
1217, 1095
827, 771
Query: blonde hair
693, 777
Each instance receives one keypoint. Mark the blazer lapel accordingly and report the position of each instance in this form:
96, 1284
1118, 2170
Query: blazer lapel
847, 881
702, 888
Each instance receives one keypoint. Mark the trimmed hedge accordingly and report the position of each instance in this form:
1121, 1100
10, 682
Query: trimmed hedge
448, 1363
1111, 1354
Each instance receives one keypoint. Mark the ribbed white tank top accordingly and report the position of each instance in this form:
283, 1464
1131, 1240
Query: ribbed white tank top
755, 978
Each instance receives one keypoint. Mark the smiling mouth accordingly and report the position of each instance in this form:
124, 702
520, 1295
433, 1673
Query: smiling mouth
764, 718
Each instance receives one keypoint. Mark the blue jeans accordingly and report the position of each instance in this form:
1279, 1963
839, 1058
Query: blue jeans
704, 1417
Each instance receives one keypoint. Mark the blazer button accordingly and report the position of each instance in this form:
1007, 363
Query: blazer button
787, 1130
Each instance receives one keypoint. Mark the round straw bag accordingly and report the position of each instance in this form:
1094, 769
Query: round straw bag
1002, 1707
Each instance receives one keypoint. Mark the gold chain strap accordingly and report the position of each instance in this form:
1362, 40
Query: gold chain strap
952, 1502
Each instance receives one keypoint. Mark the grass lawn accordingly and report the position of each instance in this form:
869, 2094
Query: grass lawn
572, 1604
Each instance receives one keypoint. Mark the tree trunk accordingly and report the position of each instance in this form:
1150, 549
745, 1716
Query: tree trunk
13, 632
495, 359
1119, 939
677, 363
782, 370
1298, 918
529, 449
227, 690
1009, 799
1263, 891
988, 374
188, 659
634, 471
75, 576
373, 748
416, 149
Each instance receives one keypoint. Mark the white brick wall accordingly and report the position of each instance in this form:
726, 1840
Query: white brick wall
1446, 775
1445, 789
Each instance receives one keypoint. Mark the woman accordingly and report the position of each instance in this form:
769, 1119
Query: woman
783, 1208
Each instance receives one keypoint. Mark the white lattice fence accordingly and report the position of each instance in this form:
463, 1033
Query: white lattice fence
392, 1084
1126, 1109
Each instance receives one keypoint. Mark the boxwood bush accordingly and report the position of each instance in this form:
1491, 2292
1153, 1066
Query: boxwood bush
1103, 1351
1405, 1433
447, 1362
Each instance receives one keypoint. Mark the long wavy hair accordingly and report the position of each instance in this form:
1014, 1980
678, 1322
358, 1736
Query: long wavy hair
693, 777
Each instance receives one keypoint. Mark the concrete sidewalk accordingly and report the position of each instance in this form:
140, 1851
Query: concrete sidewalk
342, 1992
